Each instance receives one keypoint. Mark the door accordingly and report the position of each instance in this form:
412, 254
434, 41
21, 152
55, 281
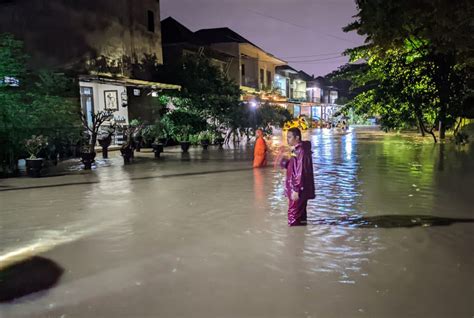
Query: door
87, 103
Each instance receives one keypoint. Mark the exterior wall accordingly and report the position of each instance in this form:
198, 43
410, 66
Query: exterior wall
299, 89
263, 61
314, 94
142, 105
281, 82
333, 97
173, 53
253, 58
267, 67
250, 79
121, 115
329, 96
66, 34
231, 49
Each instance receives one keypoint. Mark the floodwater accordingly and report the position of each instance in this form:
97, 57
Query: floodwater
204, 235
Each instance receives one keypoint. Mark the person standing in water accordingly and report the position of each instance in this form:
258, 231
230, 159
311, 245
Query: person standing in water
260, 151
299, 184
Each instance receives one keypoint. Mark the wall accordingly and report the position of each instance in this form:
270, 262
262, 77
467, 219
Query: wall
281, 83
99, 99
264, 62
299, 89
66, 34
251, 72
232, 49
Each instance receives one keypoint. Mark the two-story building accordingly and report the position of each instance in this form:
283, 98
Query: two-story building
101, 42
251, 67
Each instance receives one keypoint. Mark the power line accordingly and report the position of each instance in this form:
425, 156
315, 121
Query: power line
300, 26
313, 55
278, 19
316, 60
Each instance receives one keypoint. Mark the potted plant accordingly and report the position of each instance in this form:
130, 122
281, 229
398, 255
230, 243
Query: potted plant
183, 137
205, 139
158, 148
87, 157
127, 148
127, 153
166, 130
105, 139
137, 136
92, 126
153, 135
218, 139
33, 146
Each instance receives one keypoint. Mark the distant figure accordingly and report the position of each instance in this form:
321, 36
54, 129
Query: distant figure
299, 184
260, 151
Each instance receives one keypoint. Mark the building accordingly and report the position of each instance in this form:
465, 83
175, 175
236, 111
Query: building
250, 66
102, 42
178, 41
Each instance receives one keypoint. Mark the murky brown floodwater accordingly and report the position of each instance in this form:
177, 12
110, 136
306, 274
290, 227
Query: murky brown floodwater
207, 236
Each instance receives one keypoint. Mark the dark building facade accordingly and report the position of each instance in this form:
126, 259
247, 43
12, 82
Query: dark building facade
78, 34
100, 41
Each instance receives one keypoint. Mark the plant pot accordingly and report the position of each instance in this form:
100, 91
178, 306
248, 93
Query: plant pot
185, 146
205, 143
163, 141
138, 143
33, 167
105, 143
127, 154
157, 149
87, 158
220, 142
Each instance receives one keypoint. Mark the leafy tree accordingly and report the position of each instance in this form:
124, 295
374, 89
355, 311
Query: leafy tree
420, 53
41, 103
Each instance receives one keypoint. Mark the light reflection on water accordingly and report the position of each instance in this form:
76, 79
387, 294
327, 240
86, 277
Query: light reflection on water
358, 174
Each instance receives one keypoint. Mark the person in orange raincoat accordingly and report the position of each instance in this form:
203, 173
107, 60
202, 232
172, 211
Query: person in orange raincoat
260, 151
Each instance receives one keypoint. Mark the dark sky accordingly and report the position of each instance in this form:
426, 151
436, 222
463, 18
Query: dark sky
306, 33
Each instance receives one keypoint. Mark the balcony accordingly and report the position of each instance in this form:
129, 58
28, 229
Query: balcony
249, 82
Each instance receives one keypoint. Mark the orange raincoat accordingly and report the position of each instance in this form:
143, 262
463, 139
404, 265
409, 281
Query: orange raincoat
260, 151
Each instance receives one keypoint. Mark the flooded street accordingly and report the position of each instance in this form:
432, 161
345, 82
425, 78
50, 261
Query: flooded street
205, 235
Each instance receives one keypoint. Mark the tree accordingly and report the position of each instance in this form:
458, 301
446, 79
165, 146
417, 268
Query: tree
206, 91
32, 103
426, 47
93, 127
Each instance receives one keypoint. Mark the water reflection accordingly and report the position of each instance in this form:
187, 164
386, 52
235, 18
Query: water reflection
364, 181
391, 221
27, 277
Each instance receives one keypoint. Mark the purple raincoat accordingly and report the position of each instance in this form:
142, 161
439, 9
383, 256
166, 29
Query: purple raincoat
299, 178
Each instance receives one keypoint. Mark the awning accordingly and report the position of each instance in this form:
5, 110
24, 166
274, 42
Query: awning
127, 82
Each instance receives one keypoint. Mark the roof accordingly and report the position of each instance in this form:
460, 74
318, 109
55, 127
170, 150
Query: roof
226, 35
221, 35
286, 68
305, 76
105, 79
173, 31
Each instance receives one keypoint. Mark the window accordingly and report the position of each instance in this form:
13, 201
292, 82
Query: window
269, 79
262, 76
151, 21
243, 70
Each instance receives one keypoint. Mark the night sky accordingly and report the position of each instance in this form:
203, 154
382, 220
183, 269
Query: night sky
306, 33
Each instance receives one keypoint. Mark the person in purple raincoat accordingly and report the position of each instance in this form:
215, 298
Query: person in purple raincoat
299, 184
